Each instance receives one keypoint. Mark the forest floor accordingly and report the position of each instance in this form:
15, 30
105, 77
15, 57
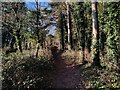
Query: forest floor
77, 76
67, 75
64, 70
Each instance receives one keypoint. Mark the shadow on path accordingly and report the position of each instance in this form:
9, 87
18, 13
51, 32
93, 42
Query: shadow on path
66, 76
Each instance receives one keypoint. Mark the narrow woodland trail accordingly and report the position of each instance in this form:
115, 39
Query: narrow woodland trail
66, 75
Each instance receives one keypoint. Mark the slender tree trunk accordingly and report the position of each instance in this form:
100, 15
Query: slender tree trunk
62, 31
66, 31
19, 39
12, 43
95, 42
26, 45
68, 24
38, 36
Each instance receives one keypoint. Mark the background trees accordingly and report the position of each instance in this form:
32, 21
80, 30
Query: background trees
74, 21
13, 15
88, 31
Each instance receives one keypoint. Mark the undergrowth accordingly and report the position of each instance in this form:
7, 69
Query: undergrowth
96, 78
21, 72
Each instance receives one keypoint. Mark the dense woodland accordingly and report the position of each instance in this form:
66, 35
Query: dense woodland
83, 53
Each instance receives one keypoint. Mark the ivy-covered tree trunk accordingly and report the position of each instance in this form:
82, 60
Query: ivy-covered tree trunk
18, 25
82, 29
95, 38
62, 30
112, 16
79, 16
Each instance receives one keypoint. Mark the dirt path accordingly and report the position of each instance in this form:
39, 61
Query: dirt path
66, 76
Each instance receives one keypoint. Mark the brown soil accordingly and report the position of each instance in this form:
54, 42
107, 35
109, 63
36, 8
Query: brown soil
67, 75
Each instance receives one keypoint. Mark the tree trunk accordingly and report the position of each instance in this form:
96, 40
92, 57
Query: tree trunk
82, 30
38, 36
12, 43
19, 39
68, 25
95, 39
62, 30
